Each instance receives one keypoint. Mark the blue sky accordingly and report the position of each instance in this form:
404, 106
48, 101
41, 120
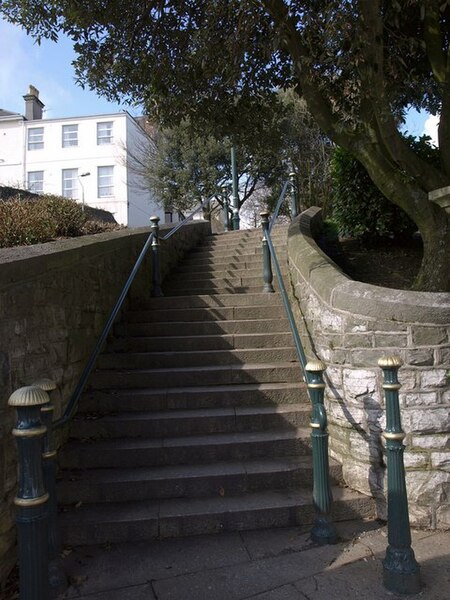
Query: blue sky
48, 67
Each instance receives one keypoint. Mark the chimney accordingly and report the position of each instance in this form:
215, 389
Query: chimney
33, 106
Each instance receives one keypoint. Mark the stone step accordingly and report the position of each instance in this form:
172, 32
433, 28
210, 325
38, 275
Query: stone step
196, 273
248, 261
276, 372
215, 300
169, 360
254, 394
120, 522
188, 481
221, 313
280, 325
201, 342
226, 282
204, 421
192, 449
175, 291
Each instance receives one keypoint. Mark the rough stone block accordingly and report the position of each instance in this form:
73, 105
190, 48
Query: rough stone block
426, 420
420, 357
442, 356
428, 336
434, 378
416, 460
441, 460
358, 340
390, 340
435, 441
424, 399
359, 382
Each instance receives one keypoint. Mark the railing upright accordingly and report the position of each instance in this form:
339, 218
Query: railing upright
401, 572
156, 267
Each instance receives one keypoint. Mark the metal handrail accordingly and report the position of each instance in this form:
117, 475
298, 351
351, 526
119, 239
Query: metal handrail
75, 397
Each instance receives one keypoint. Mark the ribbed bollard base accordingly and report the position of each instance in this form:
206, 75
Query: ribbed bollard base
323, 532
401, 572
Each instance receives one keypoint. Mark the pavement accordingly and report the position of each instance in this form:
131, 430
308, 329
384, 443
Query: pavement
270, 564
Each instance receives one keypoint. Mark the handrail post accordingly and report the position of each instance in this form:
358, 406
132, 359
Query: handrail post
226, 213
323, 530
32, 499
267, 263
156, 268
57, 578
401, 572
235, 182
294, 195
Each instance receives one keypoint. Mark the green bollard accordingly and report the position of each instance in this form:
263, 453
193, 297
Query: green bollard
57, 578
32, 499
226, 214
156, 269
267, 263
323, 530
401, 572
294, 195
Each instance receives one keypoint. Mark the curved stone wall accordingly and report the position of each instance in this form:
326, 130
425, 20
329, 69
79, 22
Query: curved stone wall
352, 325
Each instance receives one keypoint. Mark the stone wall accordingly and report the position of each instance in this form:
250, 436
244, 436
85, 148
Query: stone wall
54, 301
352, 325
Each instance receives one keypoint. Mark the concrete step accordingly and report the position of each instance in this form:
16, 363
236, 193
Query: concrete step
119, 522
166, 360
221, 313
192, 449
189, 481
236, 374
280, 325
254, 394
201, 342
203, 421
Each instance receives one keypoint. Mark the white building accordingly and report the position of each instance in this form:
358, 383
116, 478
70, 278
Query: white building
84, 158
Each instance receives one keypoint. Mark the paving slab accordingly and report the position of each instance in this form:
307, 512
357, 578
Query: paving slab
272, 564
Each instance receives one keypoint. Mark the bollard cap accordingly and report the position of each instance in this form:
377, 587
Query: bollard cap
154, 219
315, 366
263, 214
390, 362
45, 384
29, 395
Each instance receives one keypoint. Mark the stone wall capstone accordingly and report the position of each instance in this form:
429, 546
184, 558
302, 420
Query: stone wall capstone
352, 325
54, 301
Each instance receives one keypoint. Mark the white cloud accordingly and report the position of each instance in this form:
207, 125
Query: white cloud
430, 127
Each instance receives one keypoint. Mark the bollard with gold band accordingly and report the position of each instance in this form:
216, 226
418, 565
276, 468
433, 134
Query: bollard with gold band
401, 572
323, 531
57, 577
156, 268
32, 498
267, 263
294, 195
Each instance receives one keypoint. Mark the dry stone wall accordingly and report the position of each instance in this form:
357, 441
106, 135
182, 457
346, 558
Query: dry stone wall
54, 301
352, 325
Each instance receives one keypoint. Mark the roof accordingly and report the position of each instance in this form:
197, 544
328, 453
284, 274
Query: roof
5, 114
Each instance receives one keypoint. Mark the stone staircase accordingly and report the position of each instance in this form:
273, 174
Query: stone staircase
196, 420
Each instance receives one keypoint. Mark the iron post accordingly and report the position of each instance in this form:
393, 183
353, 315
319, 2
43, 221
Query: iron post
323, 530
156, 268
226, 213
32, 499
401, 572
235, 202
294, 195
267, 262
57, 578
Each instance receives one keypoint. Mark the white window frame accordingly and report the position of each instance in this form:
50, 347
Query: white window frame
69, 183
105, 181
35, 138
70, 135
35, 181
104, 132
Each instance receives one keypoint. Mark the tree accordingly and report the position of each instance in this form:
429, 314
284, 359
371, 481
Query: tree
357, 63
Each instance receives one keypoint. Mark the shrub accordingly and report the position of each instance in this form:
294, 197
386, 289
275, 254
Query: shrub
359, 208
66, 215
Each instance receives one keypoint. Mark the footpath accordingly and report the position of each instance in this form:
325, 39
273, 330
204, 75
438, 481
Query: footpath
271, 564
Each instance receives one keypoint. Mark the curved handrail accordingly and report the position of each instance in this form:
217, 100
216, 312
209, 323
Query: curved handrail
75, 397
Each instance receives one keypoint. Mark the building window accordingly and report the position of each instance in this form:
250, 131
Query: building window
104, 133
69, 135
36, 138
168, 216
70, 183
35, 181
105, 182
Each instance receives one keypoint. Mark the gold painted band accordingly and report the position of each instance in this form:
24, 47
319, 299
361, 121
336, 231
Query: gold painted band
316, 386
30, 502
388, 435
392, 386
47, 455
48, 408
315, 425
32, 432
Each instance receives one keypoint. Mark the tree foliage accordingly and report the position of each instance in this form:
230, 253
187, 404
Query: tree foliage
358, 64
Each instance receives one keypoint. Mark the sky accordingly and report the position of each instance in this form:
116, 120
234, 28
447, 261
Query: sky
48, 67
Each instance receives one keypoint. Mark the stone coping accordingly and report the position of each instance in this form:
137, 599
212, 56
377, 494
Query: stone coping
343, 293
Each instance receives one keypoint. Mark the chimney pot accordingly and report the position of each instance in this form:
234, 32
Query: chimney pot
33, 106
